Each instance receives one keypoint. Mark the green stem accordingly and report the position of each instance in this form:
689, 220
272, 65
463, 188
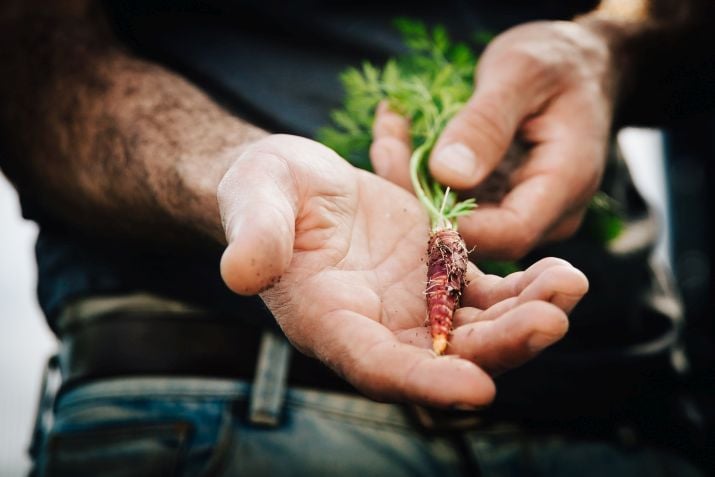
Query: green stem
417, 163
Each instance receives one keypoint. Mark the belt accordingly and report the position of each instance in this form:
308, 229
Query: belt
194, 343
186, 344
122, 344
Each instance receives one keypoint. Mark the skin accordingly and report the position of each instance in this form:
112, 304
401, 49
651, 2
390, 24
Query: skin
559, 86
352, 278
124, 149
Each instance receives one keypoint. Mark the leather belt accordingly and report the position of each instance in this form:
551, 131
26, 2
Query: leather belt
146, 343
170, 344
122, 344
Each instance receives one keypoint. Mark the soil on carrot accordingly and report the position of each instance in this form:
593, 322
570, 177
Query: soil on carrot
446, 270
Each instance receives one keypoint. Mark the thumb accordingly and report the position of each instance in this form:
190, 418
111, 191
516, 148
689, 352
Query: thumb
476, 139
258, 202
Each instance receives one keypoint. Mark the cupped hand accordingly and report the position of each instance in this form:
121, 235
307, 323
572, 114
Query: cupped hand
550, 84
337, 254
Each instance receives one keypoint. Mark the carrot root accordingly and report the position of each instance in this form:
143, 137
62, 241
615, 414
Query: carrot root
446, 270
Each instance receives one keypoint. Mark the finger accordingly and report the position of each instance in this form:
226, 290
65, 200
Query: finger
391, 149
476, 139
466, 315
567, 227
511, 229
388, 123
473, 272
462, 316
516, 337
258, 209
551, 280
561, 172
488, 290
375, 362
390, 159
560, 285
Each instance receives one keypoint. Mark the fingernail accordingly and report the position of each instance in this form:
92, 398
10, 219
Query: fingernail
459, 159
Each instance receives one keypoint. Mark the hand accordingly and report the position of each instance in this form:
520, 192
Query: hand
548, 83
337, 254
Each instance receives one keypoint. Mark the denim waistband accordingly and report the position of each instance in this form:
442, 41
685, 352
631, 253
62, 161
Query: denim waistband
187, 388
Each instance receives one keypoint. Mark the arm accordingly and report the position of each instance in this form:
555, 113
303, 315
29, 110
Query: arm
557, 86
106, 140
122, 146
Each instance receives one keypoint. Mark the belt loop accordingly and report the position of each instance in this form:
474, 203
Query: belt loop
269, 383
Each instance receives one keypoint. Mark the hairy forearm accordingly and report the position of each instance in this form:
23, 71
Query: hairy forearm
107, 141
663, 53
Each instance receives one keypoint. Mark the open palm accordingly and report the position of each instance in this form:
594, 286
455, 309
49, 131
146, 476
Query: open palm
338, 255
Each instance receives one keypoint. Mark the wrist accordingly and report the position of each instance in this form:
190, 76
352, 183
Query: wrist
201, 175
616, 34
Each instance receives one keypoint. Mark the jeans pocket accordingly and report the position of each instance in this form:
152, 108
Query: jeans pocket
140, 449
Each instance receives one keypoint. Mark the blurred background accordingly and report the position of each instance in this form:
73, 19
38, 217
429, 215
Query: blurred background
26, 342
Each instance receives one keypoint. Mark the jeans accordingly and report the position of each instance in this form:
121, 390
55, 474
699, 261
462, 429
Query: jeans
153, 426
200, 426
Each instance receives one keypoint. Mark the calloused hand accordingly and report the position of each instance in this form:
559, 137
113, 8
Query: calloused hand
551, 85
337, 254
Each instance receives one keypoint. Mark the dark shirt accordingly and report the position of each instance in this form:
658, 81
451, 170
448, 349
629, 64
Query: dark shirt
276, 64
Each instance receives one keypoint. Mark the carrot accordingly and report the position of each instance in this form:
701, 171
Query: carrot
447, 255
446, 270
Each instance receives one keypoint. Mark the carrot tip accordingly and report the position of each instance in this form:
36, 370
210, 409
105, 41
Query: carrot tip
439, 344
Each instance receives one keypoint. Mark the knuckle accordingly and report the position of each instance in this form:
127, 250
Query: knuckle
526, 58
528, 65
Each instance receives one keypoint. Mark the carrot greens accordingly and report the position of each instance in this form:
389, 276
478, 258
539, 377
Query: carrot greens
429, 85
